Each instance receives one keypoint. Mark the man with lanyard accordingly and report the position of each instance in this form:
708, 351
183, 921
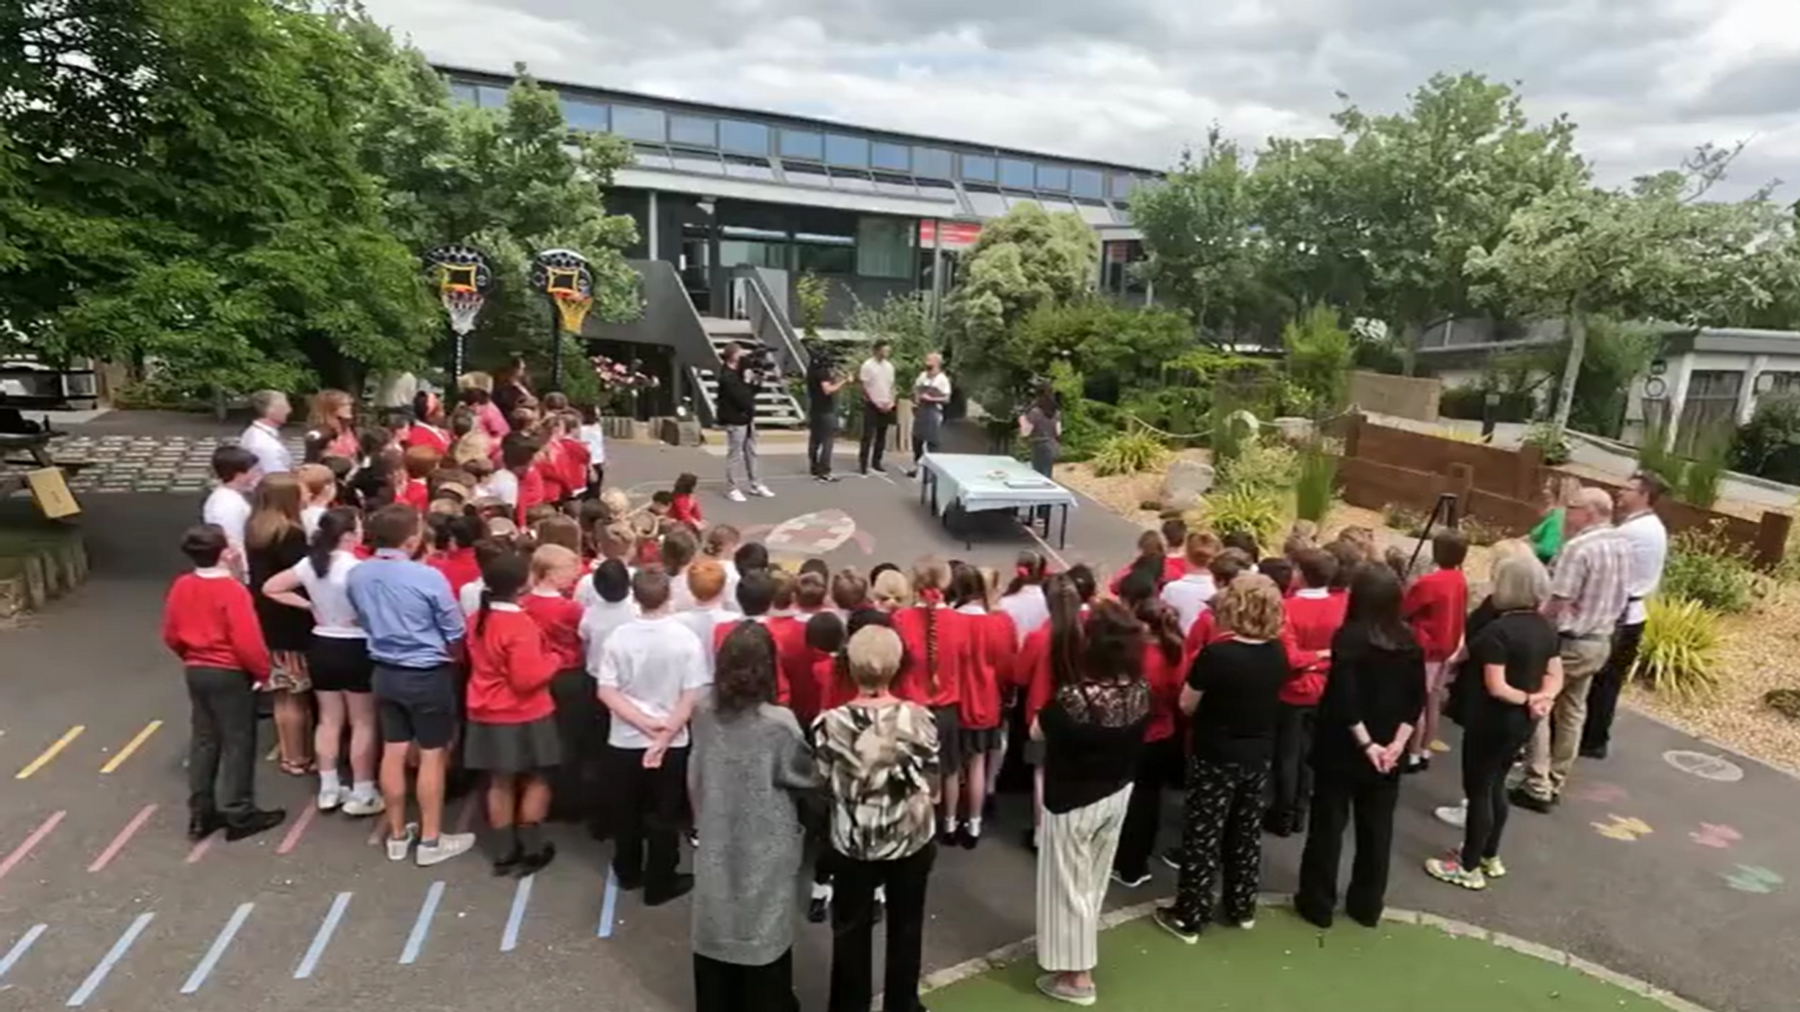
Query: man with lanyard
877, 379
1587, 596
822, 385
263, 437
413, 622
931, 391
1648, 541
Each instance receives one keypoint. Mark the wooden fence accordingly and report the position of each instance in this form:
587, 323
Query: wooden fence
1383, 466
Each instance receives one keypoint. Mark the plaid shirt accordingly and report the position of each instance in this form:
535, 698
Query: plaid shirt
1590, 576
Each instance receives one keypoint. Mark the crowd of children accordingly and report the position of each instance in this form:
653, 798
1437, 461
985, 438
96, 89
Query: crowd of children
1285, 693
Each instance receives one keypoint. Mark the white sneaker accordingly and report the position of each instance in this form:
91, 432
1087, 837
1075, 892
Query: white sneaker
397, 848
1455, 815
762, 490
448, 846
358, 808
735, 496
331, 797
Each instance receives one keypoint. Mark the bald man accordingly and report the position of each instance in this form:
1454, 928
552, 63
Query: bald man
1588, 596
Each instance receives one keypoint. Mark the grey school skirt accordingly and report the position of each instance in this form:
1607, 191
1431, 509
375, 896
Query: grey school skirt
512, 748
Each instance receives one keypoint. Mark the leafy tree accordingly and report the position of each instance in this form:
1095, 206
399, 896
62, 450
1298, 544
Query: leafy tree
1115, 348
1319, 353
1025, 259
904, 321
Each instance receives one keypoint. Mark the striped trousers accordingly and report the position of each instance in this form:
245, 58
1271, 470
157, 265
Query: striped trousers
1075, 857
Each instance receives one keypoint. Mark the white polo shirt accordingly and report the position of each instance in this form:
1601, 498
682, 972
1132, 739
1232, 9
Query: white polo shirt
1648, 541
939, 383
651, 661
227, 508
877, 378
264, 440
1189, 596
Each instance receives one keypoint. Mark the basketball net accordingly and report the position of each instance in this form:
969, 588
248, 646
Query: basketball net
463, 303
572, 309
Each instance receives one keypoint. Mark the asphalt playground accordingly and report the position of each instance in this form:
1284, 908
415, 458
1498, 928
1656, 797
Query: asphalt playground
1673, 861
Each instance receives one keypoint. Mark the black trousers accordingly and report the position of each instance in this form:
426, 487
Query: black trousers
1603, 691
874, 436
1487, 755
650, 808
1159, 767
222, 745
820, 430
581, 724
928, 425
729, 987
1337, 800
1221, 837
853, 928
1291, 775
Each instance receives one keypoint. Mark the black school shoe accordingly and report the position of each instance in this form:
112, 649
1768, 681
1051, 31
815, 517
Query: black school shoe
202, 824
256, 822
1523, 798
817, 910
669, 892
535, 862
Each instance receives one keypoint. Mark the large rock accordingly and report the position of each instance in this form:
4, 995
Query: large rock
1184, 484
1293, 429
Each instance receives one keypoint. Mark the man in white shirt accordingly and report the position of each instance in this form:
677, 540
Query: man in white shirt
1648, 542
931, 392
877, 379
228, 505
651, 674
263, 437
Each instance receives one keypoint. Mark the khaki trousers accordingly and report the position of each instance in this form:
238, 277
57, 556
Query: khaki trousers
1555, 741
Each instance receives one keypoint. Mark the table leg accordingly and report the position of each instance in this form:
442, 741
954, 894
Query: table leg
1062, 540
41, 454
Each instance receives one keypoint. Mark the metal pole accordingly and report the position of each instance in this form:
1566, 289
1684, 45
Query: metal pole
555, 347
458, 347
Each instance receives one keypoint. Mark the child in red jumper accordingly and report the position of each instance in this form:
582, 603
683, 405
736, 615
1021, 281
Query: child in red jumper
993, 641
937, 651
419, 462
1435, 607
554, 572
512, 718
683, 507
1313, 615
210, 623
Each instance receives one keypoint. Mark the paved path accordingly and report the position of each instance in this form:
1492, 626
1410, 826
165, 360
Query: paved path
1687, 882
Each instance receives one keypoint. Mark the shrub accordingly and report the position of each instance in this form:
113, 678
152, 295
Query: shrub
1709, 571
1769, 444
1315, 485
1677, 656
1549, 440
1129, 453
1258, 512
1701, 478
1230, 431
1261, 464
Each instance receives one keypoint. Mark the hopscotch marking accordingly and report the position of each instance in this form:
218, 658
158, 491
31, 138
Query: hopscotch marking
292, 839
219, 945
97, 975
20, 852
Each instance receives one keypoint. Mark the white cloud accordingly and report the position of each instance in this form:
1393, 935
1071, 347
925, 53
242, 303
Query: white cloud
1134, 80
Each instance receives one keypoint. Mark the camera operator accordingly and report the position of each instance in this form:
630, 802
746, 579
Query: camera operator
736, 411
822, 384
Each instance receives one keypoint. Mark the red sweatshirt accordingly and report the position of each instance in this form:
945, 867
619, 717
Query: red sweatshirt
1436, 606
531, 492
414, 492
419, 434
954, 640
790, 655
560, 619
1032, 672
1165, 679
458, 566
510, 668
210, 622
1205, 630
990, 666
1314, 621
567, 472
686, 509
833, 691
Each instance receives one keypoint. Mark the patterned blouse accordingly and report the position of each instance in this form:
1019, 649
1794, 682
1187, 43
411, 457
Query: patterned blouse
878, 763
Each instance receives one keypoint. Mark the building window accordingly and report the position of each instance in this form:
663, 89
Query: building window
1017, 174
850, 151
488, 96
931, 163
892, 157
1054, 178
825, 254
803, 144
1086, 184
741, 138
978, 167
639, 124
738, 252
583, 114
694, 131
986, 203
884, 247
740, 167
1122, 185
463, 93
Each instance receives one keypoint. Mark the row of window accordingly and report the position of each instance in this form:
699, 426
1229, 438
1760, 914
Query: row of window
759, 140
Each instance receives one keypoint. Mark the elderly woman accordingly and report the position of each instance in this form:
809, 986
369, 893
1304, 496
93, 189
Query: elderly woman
749, 771
1515, 673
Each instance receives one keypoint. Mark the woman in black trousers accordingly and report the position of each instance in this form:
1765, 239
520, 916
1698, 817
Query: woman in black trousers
1375, 692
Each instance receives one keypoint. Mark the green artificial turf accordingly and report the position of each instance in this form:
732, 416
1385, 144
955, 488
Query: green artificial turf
1286, 965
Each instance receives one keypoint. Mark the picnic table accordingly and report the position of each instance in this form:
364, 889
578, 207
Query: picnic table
36, 449
977, 483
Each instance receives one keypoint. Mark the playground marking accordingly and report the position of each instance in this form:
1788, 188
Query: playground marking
1626, 829
1716, 836
20, 947
131, 746
292, 839
50, 753
1749, 878
608, 905
509, 939
20, 852
124, 837
201, 846
1706, 767
1600, 793
323, 938
97, 975
219, 945
415, 941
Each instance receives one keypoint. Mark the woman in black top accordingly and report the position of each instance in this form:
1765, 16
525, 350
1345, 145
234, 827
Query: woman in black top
1092, 729
1373, 695
1515, 672
275, 542
1232, 694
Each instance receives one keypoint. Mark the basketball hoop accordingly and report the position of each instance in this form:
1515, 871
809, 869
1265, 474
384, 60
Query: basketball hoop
572, 310
463, 304
463, 278
564, 276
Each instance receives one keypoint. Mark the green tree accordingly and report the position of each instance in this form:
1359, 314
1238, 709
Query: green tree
1025, 259
903, 320
1319, 353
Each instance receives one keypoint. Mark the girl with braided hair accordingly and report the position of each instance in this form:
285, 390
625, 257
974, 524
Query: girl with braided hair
937, 653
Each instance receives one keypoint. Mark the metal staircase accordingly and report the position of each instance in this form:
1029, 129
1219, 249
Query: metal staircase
775, 407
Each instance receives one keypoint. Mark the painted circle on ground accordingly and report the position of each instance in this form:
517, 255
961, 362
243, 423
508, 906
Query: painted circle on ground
1706, 767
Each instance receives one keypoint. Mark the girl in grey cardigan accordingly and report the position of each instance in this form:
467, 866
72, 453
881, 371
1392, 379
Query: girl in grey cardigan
749, 773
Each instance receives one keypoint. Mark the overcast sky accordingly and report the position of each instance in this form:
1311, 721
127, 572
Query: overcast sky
1135, 80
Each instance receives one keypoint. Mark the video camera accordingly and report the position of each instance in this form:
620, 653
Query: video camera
757, 363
